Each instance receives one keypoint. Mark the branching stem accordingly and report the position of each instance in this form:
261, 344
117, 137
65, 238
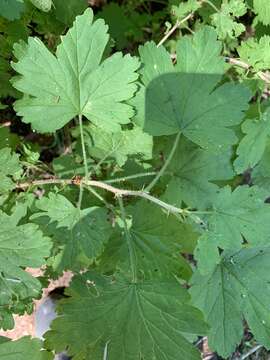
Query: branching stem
102, 185
174, 28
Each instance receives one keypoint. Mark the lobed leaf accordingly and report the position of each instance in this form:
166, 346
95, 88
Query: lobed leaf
21, 246
237, 288
236, 216
58, 88
127, 320
80, 235
186, 98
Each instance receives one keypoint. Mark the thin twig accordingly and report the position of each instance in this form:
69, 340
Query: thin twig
252, 351
102, 185
262, 75
174, 28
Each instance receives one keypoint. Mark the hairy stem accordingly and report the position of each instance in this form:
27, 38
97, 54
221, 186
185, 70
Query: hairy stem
174, 28
236, 62
102, 185
167, 162
132, 255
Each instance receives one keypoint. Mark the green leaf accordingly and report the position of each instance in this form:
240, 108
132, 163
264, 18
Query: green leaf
186, 98
20, 246
10, 170
261, 173
131, 320
59, 209
192, 172
119, 24
262, 9
102, 144
235, 216
74, 82
158, 240
44, 5
81, 234
224, 20
237, 288
251, 148
11, 9
256, 52
24, 348
8, 139
184, 8
66, 11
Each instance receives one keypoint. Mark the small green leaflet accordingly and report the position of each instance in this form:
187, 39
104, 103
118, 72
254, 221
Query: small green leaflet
251, 148
262, 9
182, 97
224, 20
102, 144
11, 9
183, 9
80, 234
237, 288
10, 169
192, 172
74, 82
44, 5
157, 238
131, 320
256, 52
20, 246
235, 216
22, 349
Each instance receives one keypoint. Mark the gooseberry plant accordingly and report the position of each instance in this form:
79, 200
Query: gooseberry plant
148, 209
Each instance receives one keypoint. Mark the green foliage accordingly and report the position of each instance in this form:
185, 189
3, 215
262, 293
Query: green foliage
256, 52
193, 172
20, 246
235, 215
184, 8
253, 144
24, 348
74, 82
79, 234
237, 288
261, 8
132, 320
151, 233
119, 145
11, 9
44, 5
224, 20
182, 98
154, 177
10, 170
